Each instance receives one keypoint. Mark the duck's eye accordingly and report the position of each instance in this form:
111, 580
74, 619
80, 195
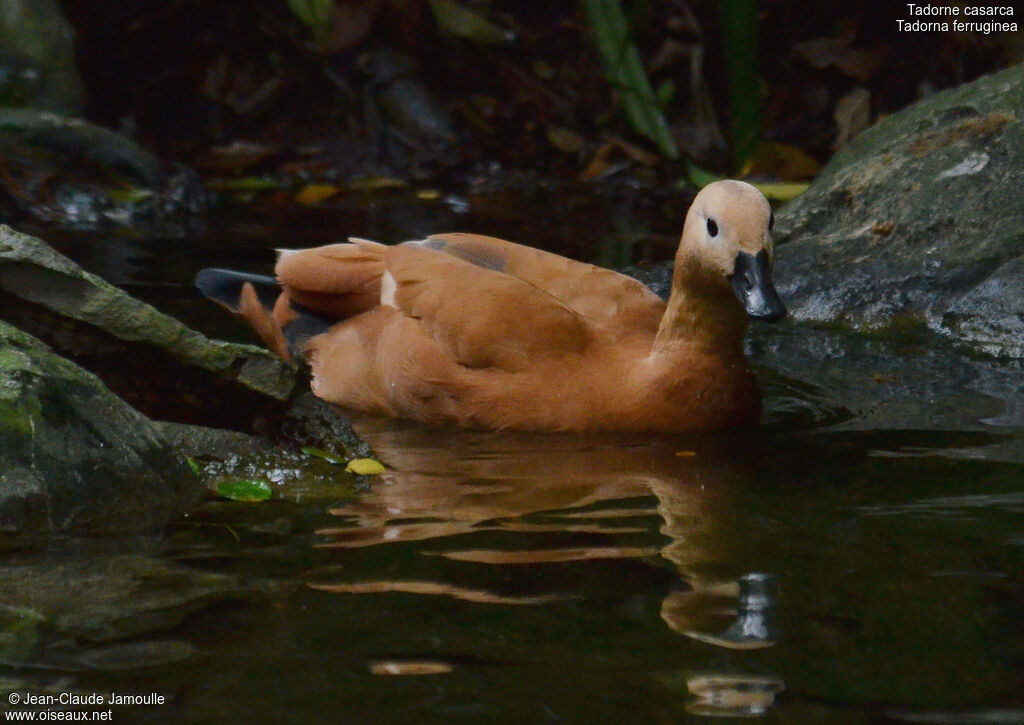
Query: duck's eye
771, 221
712, 227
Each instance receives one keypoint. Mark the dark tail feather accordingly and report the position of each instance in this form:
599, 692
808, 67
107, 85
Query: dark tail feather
285, 333
304, 325
225, 287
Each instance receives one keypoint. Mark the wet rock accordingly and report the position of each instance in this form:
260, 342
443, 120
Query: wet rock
919, 220
102, 591
992, 314
882, 384
311, 421
37, 65
75, 456
194, 441
68, 171
164, 368
61, 427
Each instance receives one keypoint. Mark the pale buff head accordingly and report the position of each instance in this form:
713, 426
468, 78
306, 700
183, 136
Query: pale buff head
727, 239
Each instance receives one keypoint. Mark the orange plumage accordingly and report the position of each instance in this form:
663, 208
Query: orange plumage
477, 331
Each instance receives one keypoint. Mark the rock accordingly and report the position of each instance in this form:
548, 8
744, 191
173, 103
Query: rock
992, 314
888, 385
311, 421
78, 593
75, 456
38, 62
68, 171
917, 220
160, 366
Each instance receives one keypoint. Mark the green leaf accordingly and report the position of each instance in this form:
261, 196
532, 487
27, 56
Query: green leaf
456, 19
743, 71
626, 73
776, 191
314, 14
783, 191
193, 464
241, 489
321, 453
364, 467
698, 177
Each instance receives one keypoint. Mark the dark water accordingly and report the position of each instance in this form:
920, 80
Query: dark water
859, 559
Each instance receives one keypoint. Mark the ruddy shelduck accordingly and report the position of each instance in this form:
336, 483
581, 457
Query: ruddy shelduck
481, 332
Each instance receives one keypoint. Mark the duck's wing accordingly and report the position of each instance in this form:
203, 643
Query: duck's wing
485, 301
480, 316
606, 298
335, 281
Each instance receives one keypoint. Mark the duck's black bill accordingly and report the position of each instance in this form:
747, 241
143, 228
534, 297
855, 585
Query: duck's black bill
752, 283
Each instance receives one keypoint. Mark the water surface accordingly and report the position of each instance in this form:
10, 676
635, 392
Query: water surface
858, 559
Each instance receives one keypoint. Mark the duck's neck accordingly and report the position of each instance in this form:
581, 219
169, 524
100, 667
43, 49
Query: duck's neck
701, 314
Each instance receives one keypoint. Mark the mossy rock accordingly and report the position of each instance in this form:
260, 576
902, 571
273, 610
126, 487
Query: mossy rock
919, 220
75, 456
159, 365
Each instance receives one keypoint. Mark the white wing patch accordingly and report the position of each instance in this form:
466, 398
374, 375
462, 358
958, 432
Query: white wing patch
387, 290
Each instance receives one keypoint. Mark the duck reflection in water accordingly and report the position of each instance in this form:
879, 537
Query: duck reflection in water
464, 496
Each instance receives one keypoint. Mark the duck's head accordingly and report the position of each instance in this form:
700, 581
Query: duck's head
727, 238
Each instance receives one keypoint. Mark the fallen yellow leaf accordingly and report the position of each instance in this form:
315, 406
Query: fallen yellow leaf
364, 467
315, 193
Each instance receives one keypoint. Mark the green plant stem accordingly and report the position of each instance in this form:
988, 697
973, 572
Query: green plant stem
626, 73
743, 71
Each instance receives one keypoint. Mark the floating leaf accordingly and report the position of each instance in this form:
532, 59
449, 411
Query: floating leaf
315, 193
463, 22
193, 464
241, 489
364, 467
321, 453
